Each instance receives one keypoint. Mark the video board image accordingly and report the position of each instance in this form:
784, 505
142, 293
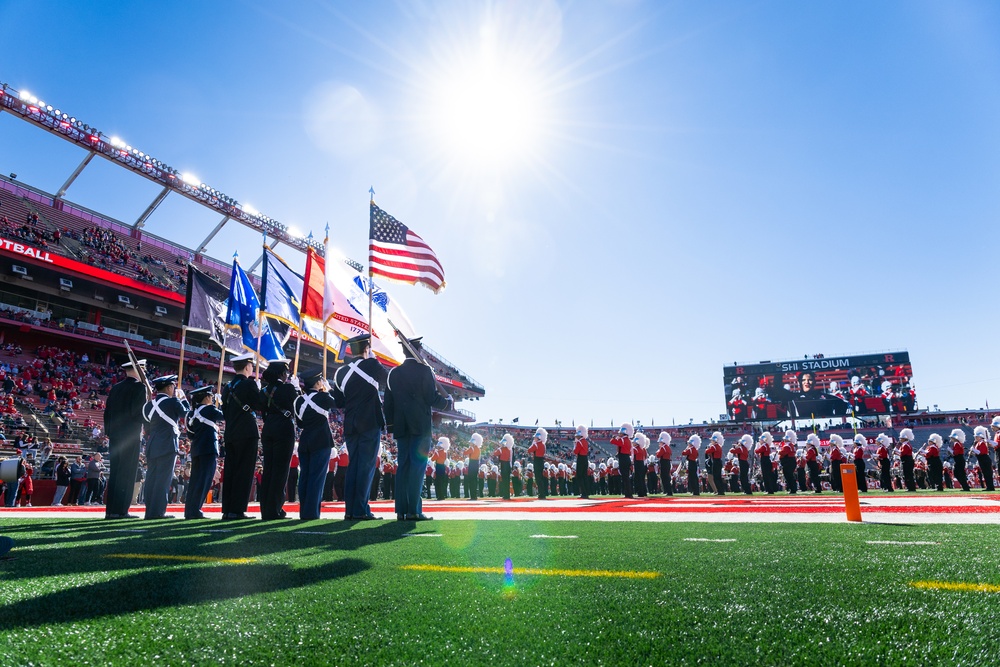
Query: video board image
820, 386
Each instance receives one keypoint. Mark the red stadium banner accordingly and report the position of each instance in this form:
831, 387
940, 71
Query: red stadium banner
71, 266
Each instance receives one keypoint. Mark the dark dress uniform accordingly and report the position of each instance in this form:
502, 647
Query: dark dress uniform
356, 390
123, 424
410, 395
277, 440
163, 414
312, 410
240, 403
203, 424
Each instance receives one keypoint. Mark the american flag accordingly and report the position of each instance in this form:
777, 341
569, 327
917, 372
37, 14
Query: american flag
396, 253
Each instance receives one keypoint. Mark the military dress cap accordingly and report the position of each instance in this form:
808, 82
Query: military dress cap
415, 343
310, 377
128, 364
164, 381
200, 393
356, 346
246, 356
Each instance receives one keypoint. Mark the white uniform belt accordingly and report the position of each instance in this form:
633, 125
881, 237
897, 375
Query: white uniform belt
155, 409
207, 422
308, 403
353, 369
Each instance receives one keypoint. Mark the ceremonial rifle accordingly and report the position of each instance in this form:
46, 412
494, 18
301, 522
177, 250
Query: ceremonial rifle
418, 355
140, 371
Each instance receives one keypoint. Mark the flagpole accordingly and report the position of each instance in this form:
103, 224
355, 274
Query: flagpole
260, 309
180, 367
371, 284
222, 362
298, 342
326, 258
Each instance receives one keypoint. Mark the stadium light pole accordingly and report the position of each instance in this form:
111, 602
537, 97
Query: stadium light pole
76, 173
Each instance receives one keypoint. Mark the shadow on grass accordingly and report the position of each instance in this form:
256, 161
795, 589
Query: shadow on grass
84, 546
162, 586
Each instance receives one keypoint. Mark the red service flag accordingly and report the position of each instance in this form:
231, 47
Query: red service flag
312, 288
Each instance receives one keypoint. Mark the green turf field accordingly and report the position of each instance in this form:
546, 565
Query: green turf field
778, 595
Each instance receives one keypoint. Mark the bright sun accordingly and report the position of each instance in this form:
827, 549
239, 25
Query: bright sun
488, 114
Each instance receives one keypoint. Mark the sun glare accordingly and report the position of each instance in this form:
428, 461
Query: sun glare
488, 114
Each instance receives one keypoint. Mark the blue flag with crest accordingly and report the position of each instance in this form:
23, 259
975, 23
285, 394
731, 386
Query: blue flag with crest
243, 312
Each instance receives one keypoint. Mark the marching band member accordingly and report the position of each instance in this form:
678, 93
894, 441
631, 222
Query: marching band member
537, 450
529, 478
639, 453
958, 454
812, 454
859, 462
906, 458
982, 452
787, 459
932, 452
473, 452
836, 458
741, 451
439, 455
717, 440
763, 452
884, 462
581, 448
664, 455
691, 454
623, 443
506, 453
517, 476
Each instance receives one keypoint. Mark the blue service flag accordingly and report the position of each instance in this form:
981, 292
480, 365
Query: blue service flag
243, 311
281, 289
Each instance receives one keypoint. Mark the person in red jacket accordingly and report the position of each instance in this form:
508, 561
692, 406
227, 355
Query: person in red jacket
763, 452
537, 450
982, 451
715, 450
884, 462
581, 448
473, 452
439, 455
690, 453
932, 452
506, 454
836, 458
859, 462
958, 453
741, 452
906, 458
787, 458
664, 454
640, 450
623, 444
812, 461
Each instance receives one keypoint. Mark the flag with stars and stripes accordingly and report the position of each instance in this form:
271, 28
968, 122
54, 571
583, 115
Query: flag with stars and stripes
396, 253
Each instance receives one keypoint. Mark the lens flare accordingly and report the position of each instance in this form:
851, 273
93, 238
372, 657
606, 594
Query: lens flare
509, 589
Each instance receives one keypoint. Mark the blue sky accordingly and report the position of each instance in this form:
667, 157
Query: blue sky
625, 195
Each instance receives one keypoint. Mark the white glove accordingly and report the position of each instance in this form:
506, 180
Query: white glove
326, 385
179, 394
257, 381
294, 381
